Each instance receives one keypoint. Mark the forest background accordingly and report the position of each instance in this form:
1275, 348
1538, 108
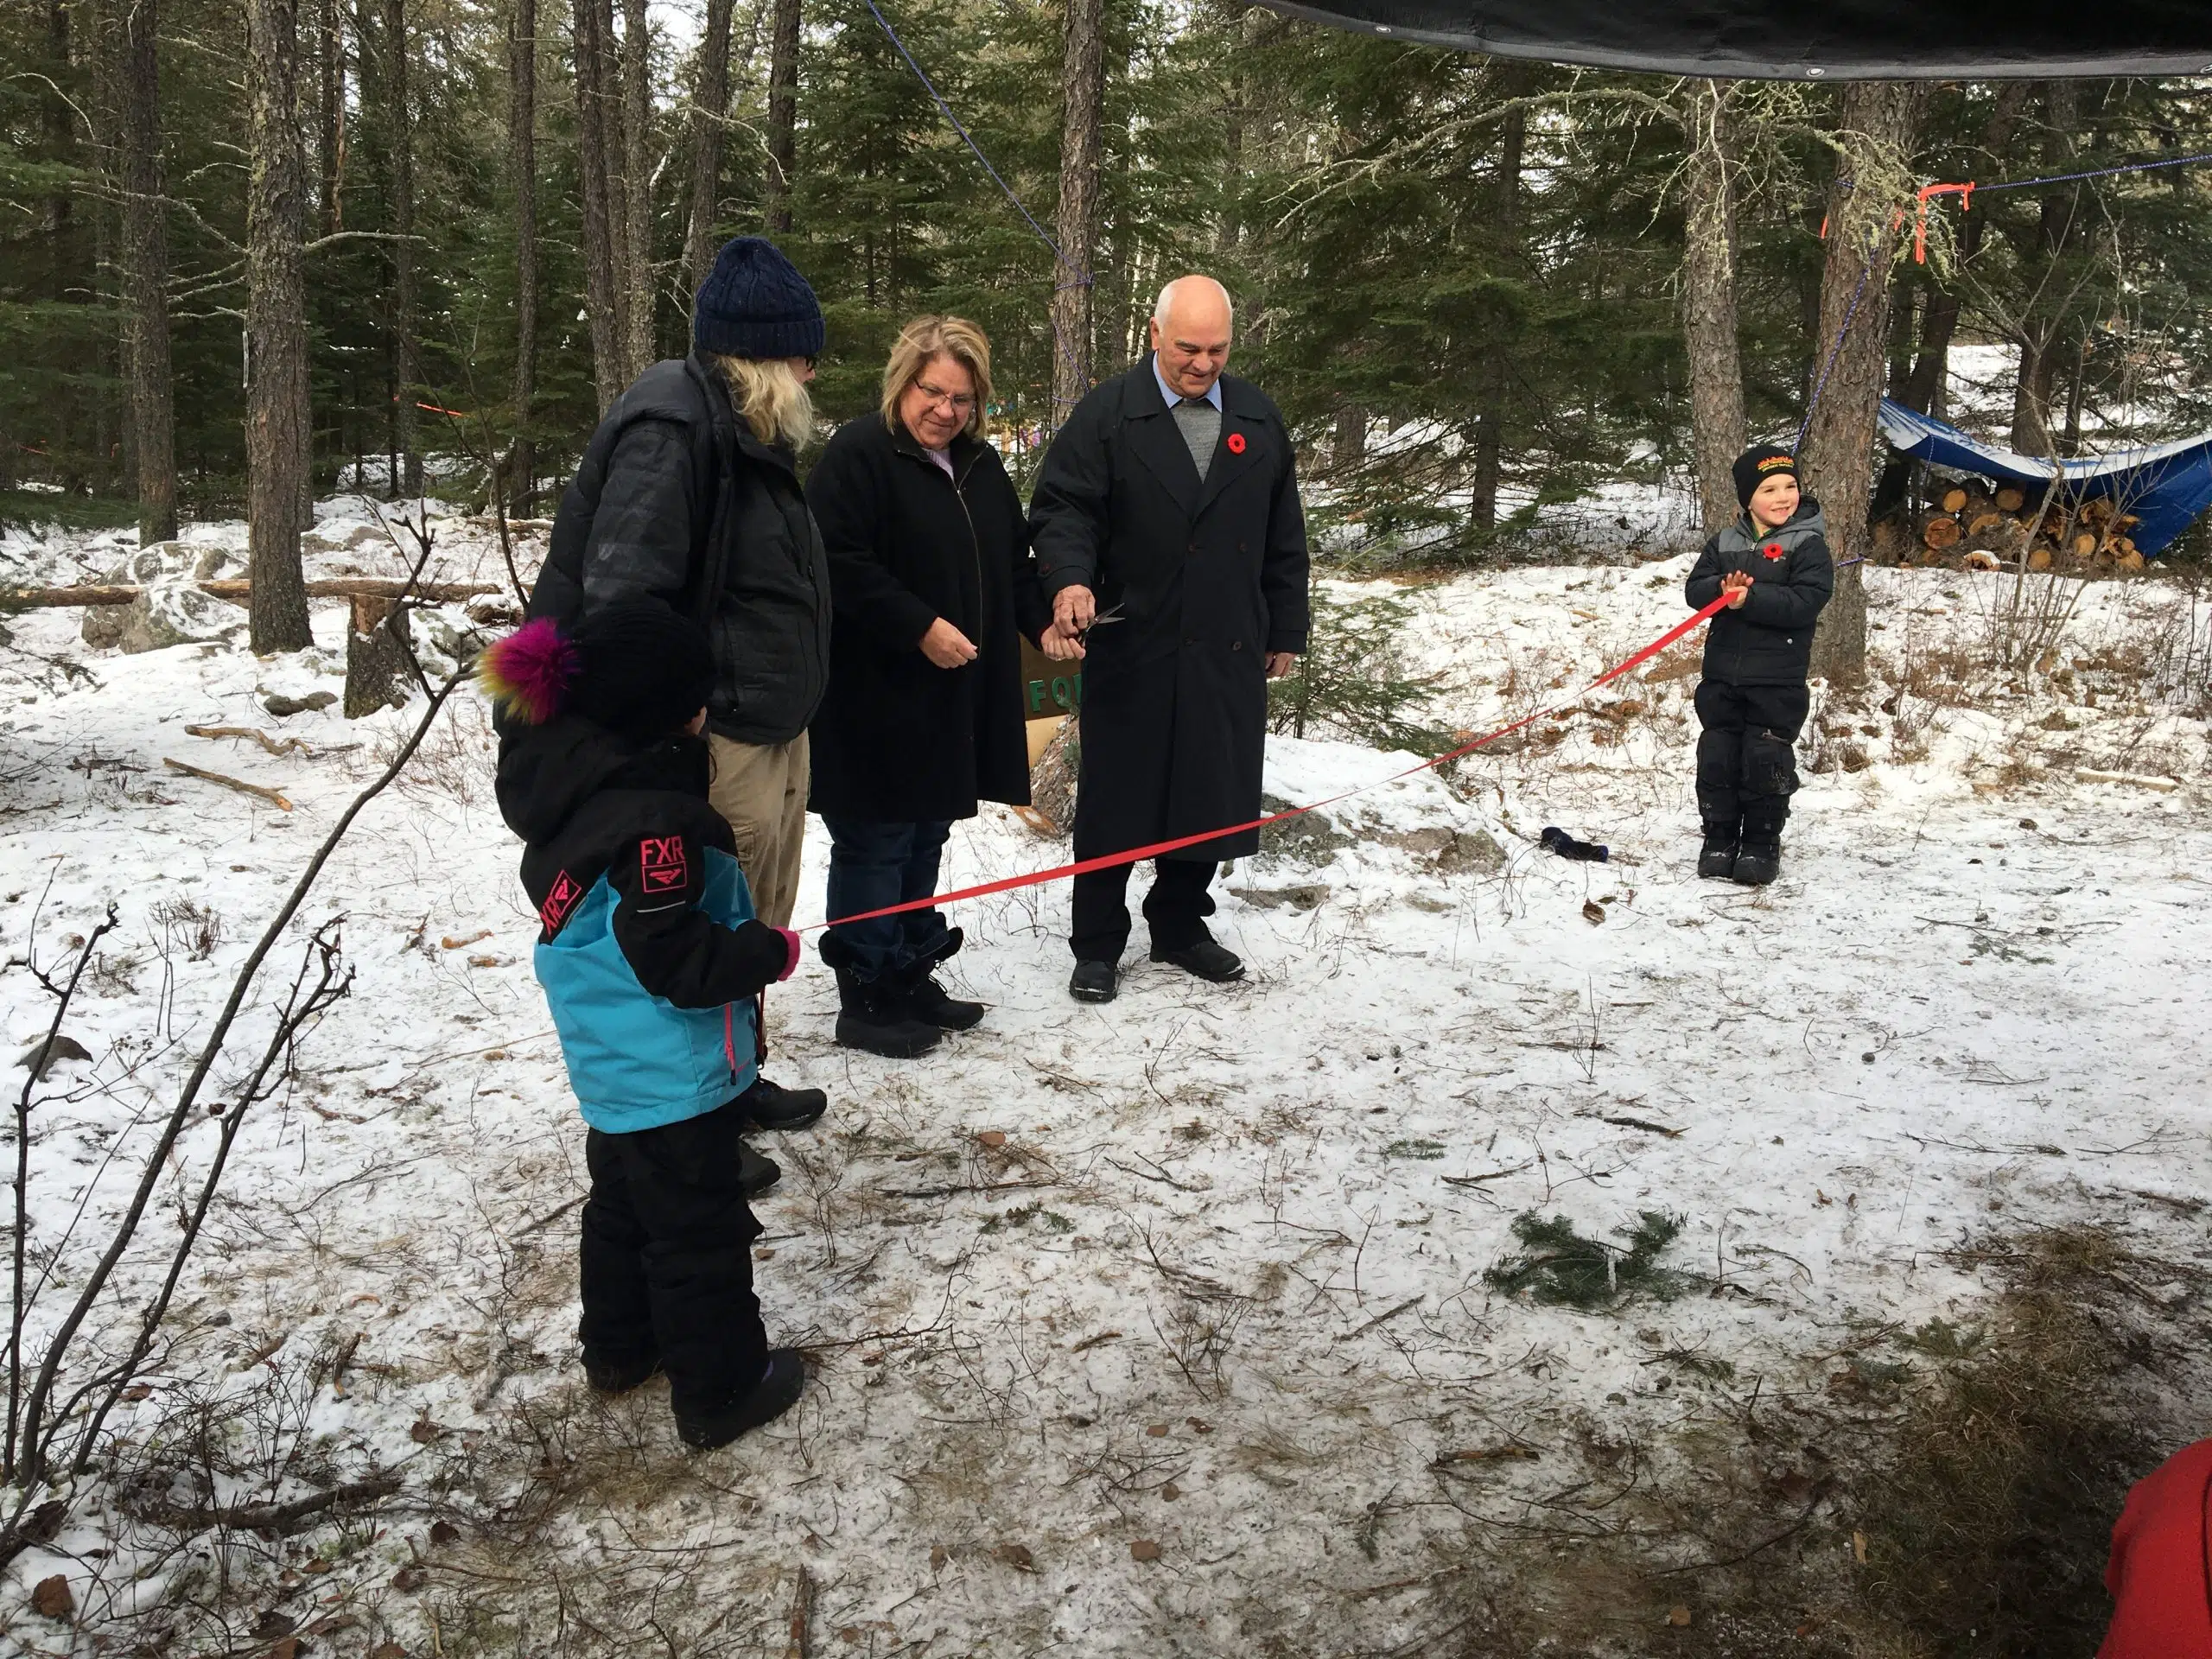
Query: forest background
251, 251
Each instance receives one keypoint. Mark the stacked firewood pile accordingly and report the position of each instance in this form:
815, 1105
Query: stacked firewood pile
1973, 524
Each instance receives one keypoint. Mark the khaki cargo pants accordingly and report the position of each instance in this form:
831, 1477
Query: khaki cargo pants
761, 789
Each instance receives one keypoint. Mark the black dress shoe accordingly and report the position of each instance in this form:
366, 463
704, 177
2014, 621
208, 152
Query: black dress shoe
620, 1373
1205, 958
1093, 981
755, 1174
776, 1394
772, 1106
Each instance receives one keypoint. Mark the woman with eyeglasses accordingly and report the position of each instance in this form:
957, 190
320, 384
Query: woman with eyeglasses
930, 584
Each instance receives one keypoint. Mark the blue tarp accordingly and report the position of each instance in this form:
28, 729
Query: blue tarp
2165, 485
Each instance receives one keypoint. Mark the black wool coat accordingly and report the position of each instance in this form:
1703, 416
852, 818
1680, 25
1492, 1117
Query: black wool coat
1209, 578
1770, 640
898, 740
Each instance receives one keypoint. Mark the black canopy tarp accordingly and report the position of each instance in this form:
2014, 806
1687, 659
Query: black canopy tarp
1808, 40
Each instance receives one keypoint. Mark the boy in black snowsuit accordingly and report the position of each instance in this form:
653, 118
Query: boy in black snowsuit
1774, 564
651, 960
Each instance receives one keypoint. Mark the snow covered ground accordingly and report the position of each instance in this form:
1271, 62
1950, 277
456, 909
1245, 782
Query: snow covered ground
1158, 1328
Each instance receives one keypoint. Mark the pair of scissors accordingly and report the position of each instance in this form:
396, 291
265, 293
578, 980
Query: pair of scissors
1111, 613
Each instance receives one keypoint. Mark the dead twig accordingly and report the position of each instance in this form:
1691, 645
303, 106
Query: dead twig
802, 1619
281, 1519
238, 783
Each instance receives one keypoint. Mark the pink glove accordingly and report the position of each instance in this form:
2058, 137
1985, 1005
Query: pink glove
791, 954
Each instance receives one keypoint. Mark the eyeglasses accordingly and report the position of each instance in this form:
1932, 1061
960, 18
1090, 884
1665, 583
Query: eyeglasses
960, 402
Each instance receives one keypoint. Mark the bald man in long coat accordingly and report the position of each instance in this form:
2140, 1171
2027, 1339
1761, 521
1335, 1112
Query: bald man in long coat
1168, 528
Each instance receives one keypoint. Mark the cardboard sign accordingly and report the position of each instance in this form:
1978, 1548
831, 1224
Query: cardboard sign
1048, 687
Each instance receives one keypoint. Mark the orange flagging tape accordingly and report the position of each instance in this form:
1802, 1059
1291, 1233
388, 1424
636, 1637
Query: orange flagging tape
1158, 848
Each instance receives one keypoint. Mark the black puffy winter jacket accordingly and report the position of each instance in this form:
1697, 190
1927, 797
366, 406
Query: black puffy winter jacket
676, 498
1770, 640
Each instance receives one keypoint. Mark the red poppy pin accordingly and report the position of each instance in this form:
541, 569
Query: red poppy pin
1236, 441
1772, 550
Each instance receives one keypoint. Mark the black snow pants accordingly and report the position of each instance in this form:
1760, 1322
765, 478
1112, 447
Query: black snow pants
667, 1260
1747, 755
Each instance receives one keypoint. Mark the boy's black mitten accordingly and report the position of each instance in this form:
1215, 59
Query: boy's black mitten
1556, 840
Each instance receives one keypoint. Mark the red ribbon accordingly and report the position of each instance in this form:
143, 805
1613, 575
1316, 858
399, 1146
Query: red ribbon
1158, 849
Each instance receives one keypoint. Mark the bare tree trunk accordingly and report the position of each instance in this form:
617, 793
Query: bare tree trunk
330, 150
1709, 252
522, 138
783, 117
1497, 367
638, 184
709, 111
607, 339
607, 86
1838, 459
1348, 439
401, 114
1082, 91
60, 130
277, 420
145, 276
2039, 326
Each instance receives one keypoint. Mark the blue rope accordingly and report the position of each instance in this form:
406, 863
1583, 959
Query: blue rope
2095, 173
1820, 384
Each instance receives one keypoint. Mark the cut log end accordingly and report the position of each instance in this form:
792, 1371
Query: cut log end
1940, 533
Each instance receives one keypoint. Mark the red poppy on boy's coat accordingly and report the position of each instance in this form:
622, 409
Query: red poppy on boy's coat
1772, 550
1235, 444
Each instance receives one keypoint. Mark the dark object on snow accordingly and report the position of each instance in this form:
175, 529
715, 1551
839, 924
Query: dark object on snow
42, 1056
1759, 860
1561, 1267
2165, 485
871, 1014
1093, 981
1556, 840
1770, 40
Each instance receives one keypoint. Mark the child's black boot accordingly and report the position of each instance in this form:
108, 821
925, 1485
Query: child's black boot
1758, 860
1716, 860
775, 1394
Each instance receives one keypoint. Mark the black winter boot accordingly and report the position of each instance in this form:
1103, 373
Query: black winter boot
1759, 860
620, 1373
772, 1106
775, 1394
927, 1000
871, 1014
1717, 858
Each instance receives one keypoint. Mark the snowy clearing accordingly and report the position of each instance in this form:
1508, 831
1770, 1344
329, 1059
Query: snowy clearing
1159, 1327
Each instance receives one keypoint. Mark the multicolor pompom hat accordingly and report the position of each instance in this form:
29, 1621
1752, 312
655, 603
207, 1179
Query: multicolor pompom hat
528, 674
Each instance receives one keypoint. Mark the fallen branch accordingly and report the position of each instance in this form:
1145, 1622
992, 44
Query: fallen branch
1647, 1126
951, 1192
438, 592
802, 1618
290, 746
1411, 1301
279, 1518
1487, 1175
238, 783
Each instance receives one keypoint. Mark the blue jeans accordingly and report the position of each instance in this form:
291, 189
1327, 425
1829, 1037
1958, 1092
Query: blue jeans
872, 865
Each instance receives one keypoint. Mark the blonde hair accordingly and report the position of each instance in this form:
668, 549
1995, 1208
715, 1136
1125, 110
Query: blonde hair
922, 341
770, 397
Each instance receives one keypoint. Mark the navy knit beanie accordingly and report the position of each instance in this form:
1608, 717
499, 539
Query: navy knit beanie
1758, 464
642, 670
754, 303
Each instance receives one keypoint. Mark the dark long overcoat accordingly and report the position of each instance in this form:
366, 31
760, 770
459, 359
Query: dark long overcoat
898, 740
1209, 578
